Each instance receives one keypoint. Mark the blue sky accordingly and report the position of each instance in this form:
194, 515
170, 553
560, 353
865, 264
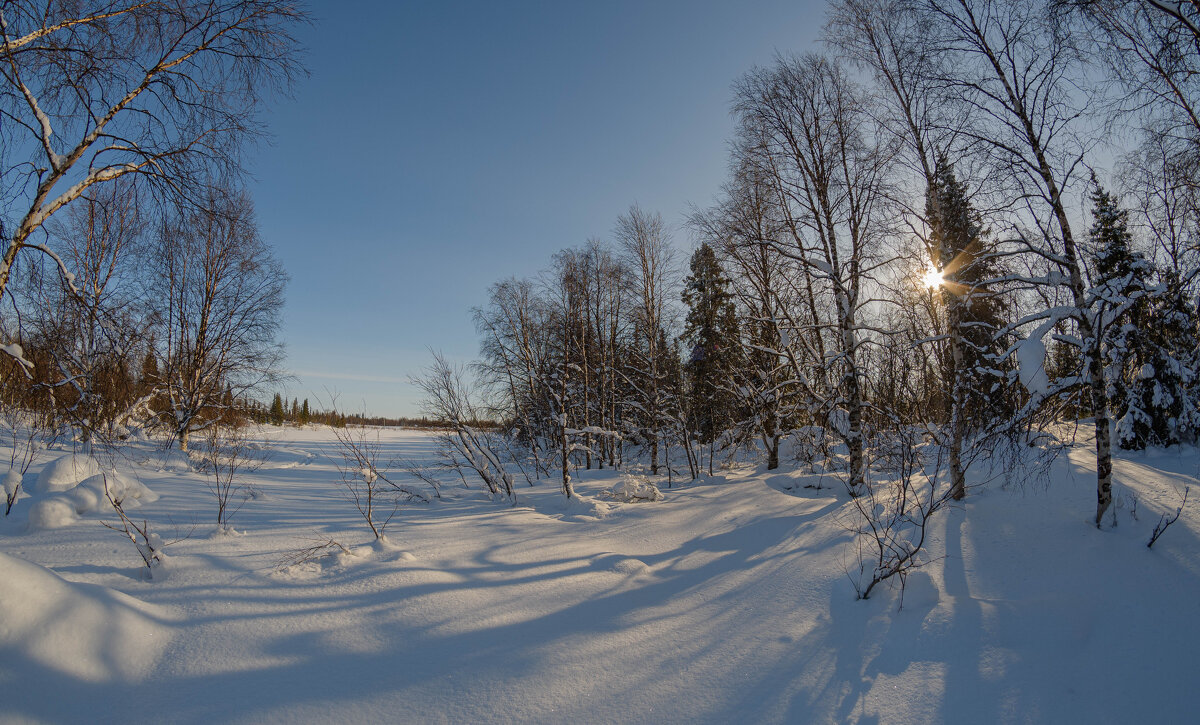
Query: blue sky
441, 146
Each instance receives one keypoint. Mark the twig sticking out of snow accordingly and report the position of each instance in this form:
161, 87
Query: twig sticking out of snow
1164, 523
149, 545
318, 550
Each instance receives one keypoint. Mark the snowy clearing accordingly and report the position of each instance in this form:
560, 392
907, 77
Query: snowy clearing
726, 601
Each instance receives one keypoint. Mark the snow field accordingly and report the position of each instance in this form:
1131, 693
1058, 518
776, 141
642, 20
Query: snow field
726, 601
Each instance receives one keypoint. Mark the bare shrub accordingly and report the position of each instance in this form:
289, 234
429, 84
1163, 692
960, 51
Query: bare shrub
149, 545
464, 444
1165, 521
316, 550
227, 454
364, 479
893, 516
26, 438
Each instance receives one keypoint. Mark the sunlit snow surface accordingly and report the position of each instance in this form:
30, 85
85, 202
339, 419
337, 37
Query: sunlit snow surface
727, 601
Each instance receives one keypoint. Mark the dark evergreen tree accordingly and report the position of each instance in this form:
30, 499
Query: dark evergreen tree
277, 410
304, 414
1171, 393
1122, 296
974, 317
711, 333
149, 375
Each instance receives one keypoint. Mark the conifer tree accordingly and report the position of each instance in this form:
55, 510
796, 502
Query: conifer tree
1170, 394
1121, 288
973, 315
1150, 341
149, 374
277, 410
711, 332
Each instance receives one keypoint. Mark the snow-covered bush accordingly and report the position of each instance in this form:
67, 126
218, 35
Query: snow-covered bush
65, 473
90, 494
633, 489
54, 512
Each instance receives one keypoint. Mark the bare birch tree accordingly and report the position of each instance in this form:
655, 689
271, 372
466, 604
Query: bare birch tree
642, 238
93, 92
219, 291
829, 166
1019, 74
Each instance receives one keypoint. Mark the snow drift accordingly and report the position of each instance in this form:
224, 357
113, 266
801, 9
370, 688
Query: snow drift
83, 631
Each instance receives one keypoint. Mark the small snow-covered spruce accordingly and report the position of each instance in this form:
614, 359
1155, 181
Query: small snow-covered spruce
1120, 293
1161, 390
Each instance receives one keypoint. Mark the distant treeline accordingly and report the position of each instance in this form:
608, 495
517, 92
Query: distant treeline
299, 413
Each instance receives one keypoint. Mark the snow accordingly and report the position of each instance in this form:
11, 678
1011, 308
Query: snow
57, 512
65, 473
632, 489
16, 352
85, 634
12, 481
1031, 366
89, 496
726, 601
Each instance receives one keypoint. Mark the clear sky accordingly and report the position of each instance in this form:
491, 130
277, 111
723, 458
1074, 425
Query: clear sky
440, 146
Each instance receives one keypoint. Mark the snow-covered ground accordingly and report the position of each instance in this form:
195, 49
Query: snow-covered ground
728, 601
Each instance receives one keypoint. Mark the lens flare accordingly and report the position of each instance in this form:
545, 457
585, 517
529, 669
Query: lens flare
933, 278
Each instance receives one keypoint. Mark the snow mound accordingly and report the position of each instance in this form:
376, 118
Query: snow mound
630, 566
56, 512
579, 507
920, 591
84, 631
12, 481
175, 461
88, 496
1031, 366
631, 489
65, 473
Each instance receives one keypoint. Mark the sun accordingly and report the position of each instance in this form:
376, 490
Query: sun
933, 278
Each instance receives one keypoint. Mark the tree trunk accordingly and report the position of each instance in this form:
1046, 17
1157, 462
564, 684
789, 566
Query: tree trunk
1103, 435
958, 428
566, 474
773, 453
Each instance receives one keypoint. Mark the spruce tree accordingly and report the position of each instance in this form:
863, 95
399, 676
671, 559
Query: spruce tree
1171, 392
1122, 292
974, 316
150, 373
277, 410
712, 333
